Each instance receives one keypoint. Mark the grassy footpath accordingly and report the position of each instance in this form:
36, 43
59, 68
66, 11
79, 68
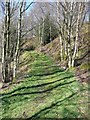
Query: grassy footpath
46, 91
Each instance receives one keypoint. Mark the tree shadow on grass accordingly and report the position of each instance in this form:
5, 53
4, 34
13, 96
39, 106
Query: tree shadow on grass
40, 85
35, 72
6, 99
37, 92
47, 109
44, 74
39, 78
43, 63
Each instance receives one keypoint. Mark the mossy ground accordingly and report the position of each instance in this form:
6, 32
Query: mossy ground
46, 91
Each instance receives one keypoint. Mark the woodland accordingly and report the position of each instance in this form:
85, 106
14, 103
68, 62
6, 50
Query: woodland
44, 60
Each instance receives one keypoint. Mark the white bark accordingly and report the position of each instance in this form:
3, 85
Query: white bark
69, 56
69, 50
15, 62
65, 44
39, 32
77, 33
14, 67
2, 64
6, 43
42, 32
50, 34
60, 38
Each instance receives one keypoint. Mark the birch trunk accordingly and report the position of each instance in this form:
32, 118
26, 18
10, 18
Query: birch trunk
69, 56
2, 64
50, 33
6, 45
58, 20
70, 35
61, 47
16, 57
39, 32
14, 67
42, 33
65, 48
69, 51
76, 40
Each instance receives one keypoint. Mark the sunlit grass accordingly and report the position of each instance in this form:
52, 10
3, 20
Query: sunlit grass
46, 91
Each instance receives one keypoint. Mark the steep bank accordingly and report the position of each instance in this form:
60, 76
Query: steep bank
82, 62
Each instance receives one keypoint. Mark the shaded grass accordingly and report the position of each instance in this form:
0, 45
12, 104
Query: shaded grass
47, 91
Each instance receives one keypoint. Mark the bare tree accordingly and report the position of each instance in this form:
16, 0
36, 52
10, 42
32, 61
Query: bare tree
22, 10
59, 27
70, 19
11, 48
6, 44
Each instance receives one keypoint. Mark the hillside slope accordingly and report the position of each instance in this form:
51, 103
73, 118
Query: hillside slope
82, 62
43, 91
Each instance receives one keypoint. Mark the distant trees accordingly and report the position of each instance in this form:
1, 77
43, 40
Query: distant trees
47, 30
50, 30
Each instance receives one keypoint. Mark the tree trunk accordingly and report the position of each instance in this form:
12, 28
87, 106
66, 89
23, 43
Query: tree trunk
2, 57
69, 47
14, 67
42, 33
76, 40
50, 33
17, 52
60, 38
39, 33
6, 43
65, 47
61, 47
69, 56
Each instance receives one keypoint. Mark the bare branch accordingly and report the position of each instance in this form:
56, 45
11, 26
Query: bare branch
27, 7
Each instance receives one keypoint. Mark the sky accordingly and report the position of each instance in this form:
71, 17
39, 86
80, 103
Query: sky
29, 1
59, 0
52, 0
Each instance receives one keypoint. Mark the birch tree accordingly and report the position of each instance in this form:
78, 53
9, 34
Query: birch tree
6, 44
73, 14
11, 48
22, 9
59, 27
18, 41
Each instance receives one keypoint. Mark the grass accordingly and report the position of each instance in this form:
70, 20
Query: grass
46, 91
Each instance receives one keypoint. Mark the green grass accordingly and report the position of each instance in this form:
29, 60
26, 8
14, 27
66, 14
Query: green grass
46, 91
